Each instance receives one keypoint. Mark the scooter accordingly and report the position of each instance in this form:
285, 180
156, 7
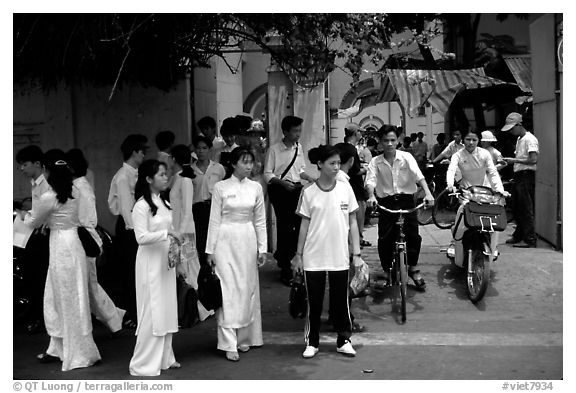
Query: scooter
480, 217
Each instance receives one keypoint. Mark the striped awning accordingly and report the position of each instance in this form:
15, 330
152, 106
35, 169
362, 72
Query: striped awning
521, 68
415, 87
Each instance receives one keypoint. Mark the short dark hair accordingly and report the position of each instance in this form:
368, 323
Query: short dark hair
289, 122
206, 122
77, 162
204, 139
345, 150
243, 123
420, 134
133, 143
387, 128
229, 126
371, 142
181, 154
165, 139
30, 153
441, 137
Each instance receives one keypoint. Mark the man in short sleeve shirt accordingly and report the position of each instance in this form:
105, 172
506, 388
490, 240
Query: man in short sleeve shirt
391, 181
283, 171
525, 160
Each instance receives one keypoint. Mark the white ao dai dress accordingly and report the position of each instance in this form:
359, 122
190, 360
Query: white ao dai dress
155, 290
236, 234
66, 302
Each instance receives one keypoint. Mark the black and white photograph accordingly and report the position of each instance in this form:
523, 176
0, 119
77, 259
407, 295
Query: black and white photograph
297, 195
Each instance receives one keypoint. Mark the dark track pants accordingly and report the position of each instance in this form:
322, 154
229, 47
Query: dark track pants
339, 305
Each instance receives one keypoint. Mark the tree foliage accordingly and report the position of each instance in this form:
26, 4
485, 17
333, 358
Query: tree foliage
158, 49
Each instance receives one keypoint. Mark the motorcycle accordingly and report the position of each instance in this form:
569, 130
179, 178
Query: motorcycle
479, 218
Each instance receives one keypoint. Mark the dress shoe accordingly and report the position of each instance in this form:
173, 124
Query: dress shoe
45, 358
523, 244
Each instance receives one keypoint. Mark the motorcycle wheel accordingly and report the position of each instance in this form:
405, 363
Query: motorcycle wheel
478, 278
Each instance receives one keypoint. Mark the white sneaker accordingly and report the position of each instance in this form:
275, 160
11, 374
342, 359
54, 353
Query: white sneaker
451, 251
346, 349
310, 352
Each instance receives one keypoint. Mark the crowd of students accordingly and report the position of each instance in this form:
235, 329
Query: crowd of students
211, 200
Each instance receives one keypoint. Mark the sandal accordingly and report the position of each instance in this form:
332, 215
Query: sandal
244, 348
417, 278
232, 356
45, 358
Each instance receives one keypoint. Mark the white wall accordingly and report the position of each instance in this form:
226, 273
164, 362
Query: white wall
82, 117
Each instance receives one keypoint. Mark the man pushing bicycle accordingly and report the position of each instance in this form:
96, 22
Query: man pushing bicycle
391, 181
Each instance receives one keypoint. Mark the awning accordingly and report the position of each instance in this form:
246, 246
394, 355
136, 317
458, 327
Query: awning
415, 87
521, 68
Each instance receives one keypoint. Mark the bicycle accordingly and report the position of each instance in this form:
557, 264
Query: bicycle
399, 270
445, 207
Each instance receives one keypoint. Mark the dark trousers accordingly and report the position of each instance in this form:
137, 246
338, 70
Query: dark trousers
126, 248
201, 212
388, 230
287, 223
36, 260
524, 188
339, 306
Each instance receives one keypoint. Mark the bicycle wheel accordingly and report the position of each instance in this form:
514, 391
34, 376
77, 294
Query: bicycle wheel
403, 267
424, 215
444, 211
478, 276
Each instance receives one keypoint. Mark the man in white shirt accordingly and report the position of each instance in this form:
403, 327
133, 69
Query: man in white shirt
164, 142
420, 149
283, 171
525, 164
391, 182
121, 201
207, 128
37, 252
453, 147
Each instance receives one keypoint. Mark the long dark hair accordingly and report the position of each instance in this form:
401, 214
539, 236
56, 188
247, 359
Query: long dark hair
148, 168
236, 155
59, 174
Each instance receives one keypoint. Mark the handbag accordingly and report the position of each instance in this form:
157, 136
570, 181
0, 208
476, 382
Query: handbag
298, 300
485, 217
91, 248
187, 300
209, 289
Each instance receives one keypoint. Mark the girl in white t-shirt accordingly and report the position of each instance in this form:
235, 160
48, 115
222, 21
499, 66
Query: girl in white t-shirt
327, 208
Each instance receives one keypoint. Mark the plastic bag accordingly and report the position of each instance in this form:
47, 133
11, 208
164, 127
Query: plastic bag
361, 278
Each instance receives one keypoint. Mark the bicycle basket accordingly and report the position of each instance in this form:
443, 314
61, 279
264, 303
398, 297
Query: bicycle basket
485, 217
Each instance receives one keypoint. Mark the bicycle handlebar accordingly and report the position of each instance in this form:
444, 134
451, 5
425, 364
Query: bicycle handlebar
408, 211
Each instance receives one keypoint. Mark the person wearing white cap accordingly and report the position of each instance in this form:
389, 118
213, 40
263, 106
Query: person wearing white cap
487, 139
525, 162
